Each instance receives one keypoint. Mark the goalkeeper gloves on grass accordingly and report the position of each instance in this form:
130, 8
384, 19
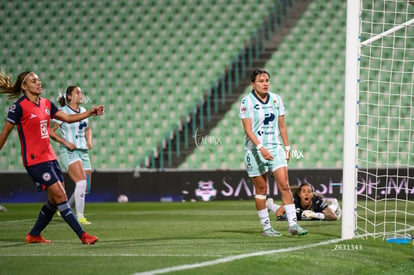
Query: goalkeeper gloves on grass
309, 215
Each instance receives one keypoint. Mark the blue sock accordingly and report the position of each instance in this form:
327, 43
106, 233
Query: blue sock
67, 214
45, 216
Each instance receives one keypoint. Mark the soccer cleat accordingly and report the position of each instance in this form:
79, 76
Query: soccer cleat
88, 239
271, 233
297, 230
83, 221
36, 239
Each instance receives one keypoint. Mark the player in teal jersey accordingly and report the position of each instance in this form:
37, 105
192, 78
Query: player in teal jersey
263, 118
75, 141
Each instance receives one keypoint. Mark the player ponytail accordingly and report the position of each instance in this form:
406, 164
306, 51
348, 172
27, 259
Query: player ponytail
63, 99
7, 87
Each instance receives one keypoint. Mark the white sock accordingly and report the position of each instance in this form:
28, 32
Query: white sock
264, 218
79, 195
290, 214
273, 207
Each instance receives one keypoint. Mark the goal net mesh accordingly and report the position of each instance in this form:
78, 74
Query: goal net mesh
385, 155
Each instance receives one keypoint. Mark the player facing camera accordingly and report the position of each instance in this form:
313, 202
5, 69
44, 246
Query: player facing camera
309, 205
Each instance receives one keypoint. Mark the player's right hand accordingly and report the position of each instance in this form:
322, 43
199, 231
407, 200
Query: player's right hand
308, 215
266, 154
97, 110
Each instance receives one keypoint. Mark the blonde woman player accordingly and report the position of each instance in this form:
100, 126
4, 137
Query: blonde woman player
75, 141
31, 114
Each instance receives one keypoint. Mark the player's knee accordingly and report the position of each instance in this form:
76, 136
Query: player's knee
284, 188
56, 193
261, 189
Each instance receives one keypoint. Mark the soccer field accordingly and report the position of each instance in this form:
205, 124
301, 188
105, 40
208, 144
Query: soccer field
219, 237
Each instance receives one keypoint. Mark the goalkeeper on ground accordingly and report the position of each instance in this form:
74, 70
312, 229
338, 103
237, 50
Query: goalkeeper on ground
309, 206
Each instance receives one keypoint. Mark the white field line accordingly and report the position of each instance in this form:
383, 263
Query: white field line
17, 221
103, 255
234, 258
244, 256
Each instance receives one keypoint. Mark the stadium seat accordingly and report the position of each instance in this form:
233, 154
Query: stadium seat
301, 72
150, 64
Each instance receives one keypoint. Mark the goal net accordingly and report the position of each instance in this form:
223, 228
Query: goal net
385, 119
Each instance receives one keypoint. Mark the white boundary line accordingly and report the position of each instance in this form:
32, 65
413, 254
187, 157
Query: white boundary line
18, 221
234, 258
51, 254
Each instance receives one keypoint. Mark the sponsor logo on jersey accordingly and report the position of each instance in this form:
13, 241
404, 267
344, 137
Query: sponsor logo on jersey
268, 118
82, 125
44, 133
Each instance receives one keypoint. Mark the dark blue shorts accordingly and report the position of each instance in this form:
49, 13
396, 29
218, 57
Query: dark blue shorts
45, 174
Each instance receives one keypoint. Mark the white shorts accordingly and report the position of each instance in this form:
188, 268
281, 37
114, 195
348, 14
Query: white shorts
256, 165
68, 157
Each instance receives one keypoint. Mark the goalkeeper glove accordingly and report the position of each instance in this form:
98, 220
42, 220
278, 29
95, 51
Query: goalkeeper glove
309, 215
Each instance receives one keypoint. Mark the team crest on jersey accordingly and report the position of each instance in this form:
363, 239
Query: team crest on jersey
47, 111
276, 103
46, 176
12, 108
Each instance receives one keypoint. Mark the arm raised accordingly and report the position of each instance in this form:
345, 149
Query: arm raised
94, 111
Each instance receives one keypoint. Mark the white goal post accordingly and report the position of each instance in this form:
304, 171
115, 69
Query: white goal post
350, 119
378, 120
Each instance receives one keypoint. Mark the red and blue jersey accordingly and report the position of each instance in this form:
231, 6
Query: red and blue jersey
32, 121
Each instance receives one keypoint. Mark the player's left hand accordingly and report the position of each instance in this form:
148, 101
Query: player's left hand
97, 110
287, 155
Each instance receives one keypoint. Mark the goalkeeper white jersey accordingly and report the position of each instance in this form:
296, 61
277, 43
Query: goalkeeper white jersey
74, 132
264, 118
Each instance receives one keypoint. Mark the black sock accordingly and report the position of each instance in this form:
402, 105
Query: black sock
67, 214
45, 216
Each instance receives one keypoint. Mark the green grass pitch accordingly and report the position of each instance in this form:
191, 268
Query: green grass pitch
219, 237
